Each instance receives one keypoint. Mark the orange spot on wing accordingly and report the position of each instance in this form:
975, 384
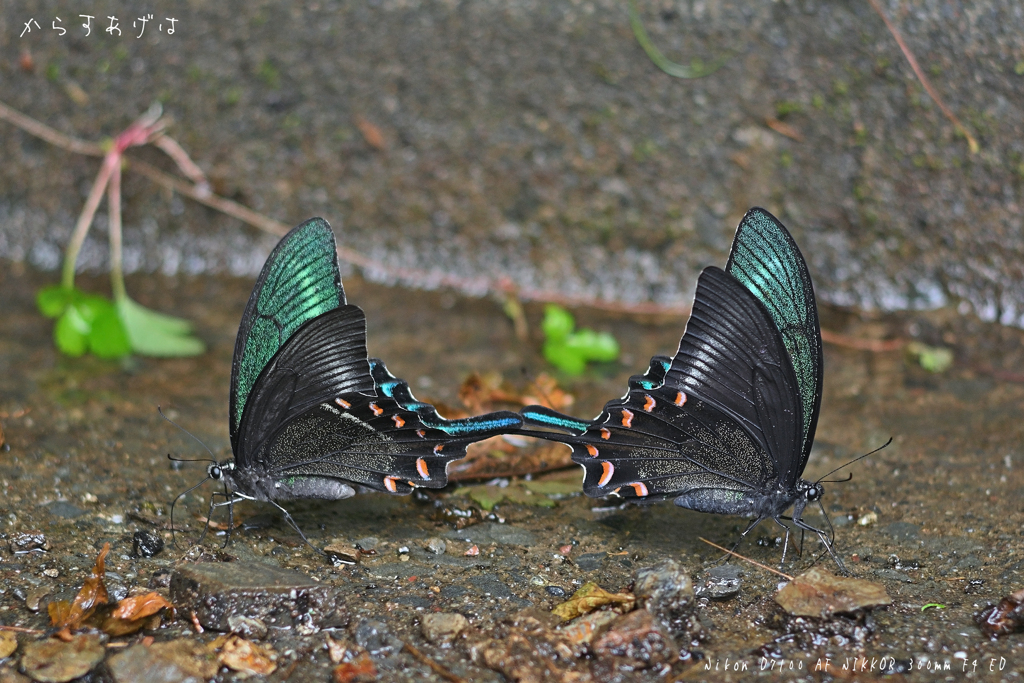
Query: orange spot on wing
607, 470
605, 433
640, 488
343, 403
377, 410
438, 448
397, 419
390, 485
592, 450
421, 467
680, 399
421, 433
627, 418
649, 403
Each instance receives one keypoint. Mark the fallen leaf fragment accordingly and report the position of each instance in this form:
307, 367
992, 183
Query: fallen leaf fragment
1002, 619
590, 597
371, 133
8, 644
360, 669
65, 616
784, 129
132, 613
818, 593
245, 656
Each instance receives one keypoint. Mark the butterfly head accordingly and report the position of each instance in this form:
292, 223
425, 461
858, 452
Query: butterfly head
222, 471
811, 491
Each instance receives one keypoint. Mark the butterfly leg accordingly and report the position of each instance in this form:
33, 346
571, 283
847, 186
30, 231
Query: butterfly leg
295, 526
825, 542
785, 541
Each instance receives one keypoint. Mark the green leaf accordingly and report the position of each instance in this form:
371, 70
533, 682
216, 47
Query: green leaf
108, 338
68, 333
599, 346
566, 359
935, 359
155, 334
558, 323
53, 300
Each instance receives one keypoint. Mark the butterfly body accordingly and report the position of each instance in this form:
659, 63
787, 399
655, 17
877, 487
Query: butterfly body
311, 416
726, 425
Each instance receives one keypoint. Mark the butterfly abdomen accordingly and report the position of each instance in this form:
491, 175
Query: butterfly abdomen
749, 504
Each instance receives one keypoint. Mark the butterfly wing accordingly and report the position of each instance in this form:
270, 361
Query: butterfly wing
766, 260
321, 410
299, 282
721, 416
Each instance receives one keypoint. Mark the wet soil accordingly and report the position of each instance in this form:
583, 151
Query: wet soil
941, 507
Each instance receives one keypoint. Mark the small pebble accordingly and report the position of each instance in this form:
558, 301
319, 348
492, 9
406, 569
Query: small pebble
443, 627
436, 546
556, 591
145, 544
51, 572
472, 552
403, 550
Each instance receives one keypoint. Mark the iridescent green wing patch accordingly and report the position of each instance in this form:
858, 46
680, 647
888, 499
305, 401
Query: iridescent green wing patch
299, 282
766, 260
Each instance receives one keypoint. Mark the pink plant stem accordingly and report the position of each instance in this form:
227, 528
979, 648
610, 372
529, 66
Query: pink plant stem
114, 206
85, 220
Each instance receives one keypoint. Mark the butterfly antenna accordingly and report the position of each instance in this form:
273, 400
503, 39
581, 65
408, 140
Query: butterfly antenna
197, 439
861, 457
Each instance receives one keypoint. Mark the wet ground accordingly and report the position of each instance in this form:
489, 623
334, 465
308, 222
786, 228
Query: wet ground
936, 517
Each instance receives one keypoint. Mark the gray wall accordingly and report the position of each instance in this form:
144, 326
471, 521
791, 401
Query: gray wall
535, 140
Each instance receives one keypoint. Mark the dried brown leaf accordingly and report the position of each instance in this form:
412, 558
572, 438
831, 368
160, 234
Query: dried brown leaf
371, 133
245, 656
133, 613
92, 594
818, 593
361, 668
8, 644
590, 597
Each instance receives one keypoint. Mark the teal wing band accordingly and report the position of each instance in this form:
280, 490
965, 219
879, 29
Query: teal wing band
766, 260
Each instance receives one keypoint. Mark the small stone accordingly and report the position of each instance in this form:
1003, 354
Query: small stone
556, 591
278, 597
436, 546
57, 661
443, 627
247, 627
177, 660
375, 637
403, 550
35, 596
368, 543
341, 553
51, 572
637, 641
585, 629
26, 542
666, 591
721, 583
145, 544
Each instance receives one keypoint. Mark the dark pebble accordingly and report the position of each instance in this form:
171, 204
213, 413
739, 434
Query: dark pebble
145, 544
589, 562
721, 583
556, 591
375, 637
